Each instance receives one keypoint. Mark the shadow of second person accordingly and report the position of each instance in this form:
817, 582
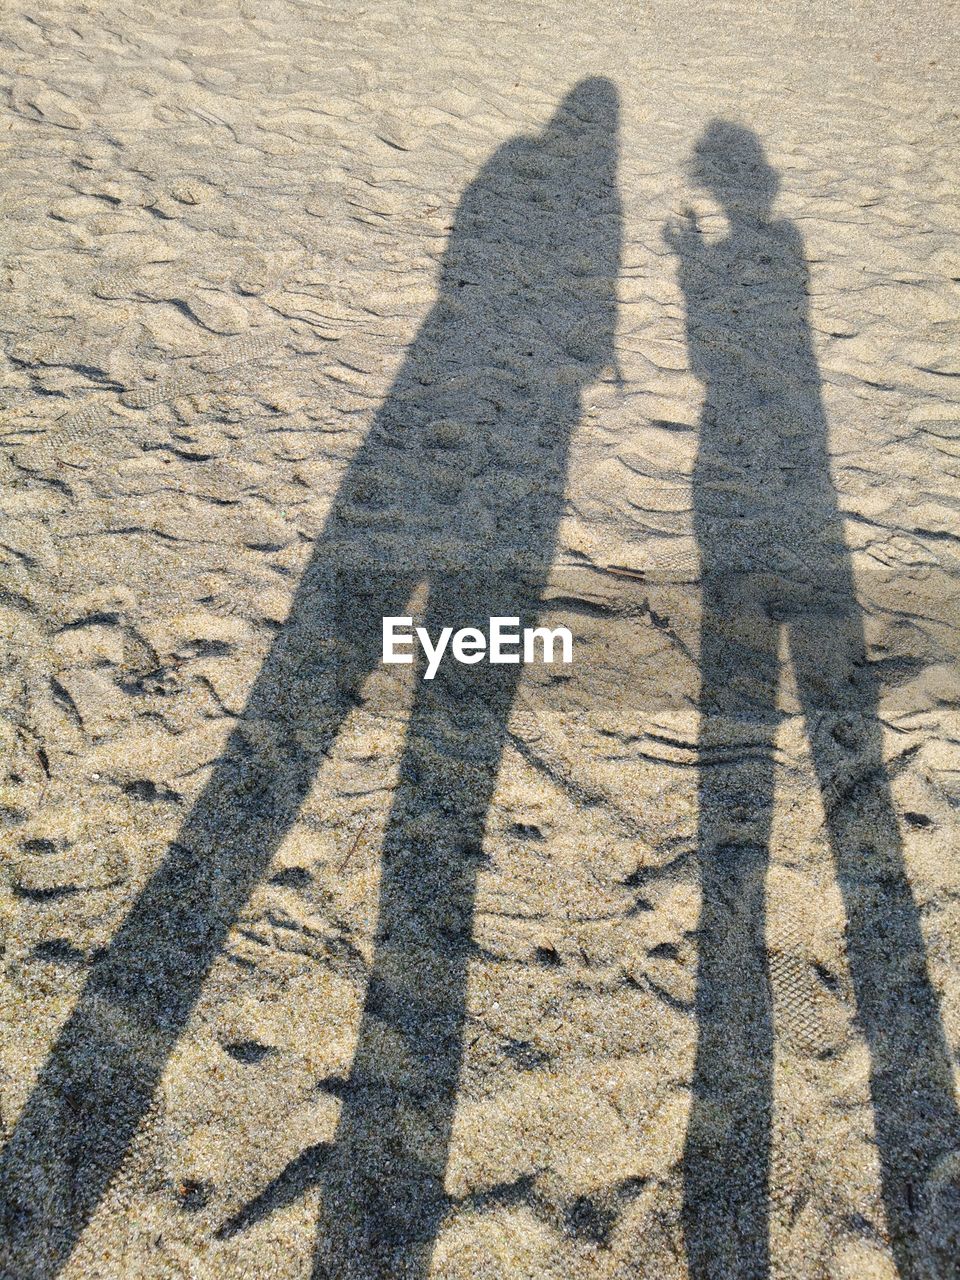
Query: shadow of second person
775, 564
459, 484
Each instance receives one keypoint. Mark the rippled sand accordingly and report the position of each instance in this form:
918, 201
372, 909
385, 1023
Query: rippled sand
224, 234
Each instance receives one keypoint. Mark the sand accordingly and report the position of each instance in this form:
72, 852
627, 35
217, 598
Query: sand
635, 319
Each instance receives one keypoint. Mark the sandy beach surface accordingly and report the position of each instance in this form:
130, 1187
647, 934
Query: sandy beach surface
635, 319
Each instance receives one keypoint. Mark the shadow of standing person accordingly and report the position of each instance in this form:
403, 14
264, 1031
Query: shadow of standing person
459, 483
773, 558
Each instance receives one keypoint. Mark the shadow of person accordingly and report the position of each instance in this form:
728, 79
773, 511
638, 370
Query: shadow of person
773, 559
459, 483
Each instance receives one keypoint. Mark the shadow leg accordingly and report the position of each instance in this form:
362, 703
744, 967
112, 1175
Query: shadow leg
102, 1071
727, 1152
384, 1194
911, 1080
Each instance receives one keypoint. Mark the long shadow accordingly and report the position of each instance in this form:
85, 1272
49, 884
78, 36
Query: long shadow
459, 483
773, 558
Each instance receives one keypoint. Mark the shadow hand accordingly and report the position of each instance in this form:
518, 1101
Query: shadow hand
679, 232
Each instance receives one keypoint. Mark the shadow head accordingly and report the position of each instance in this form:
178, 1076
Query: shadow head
579, 149
593, 101
539, 231
584, 126
729, 161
